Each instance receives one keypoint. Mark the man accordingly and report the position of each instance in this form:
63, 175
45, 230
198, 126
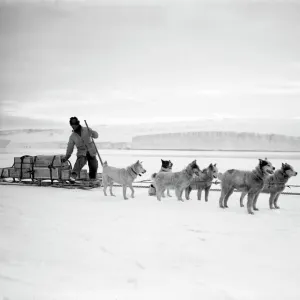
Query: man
86, 150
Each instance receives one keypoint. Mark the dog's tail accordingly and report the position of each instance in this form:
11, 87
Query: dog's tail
153, 176
220, 176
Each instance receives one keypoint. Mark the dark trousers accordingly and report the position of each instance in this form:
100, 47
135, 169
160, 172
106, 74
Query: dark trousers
80, 163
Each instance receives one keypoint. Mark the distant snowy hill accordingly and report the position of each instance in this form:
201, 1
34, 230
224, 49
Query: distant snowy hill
217, 140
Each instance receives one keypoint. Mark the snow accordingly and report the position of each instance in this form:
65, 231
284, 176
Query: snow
76, 244
58, 244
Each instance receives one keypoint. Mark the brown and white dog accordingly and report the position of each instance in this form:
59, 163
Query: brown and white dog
203, 182
275, 184
251, 182
175, 180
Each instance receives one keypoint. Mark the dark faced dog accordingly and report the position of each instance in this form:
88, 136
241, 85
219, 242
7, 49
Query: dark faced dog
166, 166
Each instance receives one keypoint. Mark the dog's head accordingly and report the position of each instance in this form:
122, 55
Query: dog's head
266, 166
214, 170
288, 170
194, 168
166, 164
139, 167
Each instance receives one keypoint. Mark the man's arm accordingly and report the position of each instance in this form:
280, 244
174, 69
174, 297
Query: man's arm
70, 148
94, 134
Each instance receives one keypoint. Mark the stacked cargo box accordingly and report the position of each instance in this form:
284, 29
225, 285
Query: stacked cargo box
40, 167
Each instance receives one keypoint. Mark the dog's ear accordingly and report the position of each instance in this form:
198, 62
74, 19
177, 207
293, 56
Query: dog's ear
162, 160
210, 166
215, 165
282, 165
263, 163
137, 162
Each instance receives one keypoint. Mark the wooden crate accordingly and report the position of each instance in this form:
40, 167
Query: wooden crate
65, 174
83, 175
16, 173
24, 166
26, 173
4, 172
10, 173
44, 173
27, 162
65, 166
43, 161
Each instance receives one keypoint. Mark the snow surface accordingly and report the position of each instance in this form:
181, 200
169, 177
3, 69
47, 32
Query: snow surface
76, 244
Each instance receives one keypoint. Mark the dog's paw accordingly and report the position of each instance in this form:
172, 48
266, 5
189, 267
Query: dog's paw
242, 205
255, 209
126, 198
250, 212
277, 207
132, 196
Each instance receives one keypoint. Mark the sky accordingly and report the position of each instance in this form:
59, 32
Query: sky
149, 61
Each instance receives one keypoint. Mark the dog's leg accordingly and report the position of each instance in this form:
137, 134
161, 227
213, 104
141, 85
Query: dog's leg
250, 203
132, 190
271, 200
207, 193
168, 193
243, 194
275, 201
178, 194
199, 192
255, 201
187, 192
223, 193
104, 182
124, 192
110, 187
163, 193
158, 193
229, 193
181, 193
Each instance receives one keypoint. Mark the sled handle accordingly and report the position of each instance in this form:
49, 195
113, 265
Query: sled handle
87, 126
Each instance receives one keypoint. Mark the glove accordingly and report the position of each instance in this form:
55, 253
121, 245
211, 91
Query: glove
63, 159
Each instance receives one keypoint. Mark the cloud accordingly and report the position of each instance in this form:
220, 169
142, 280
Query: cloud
115, 64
